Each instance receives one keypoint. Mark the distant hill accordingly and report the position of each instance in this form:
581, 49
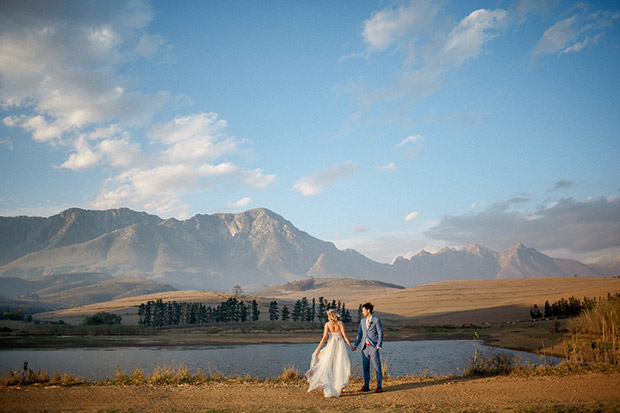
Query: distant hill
68, 290
355, 291
254, 249
476, 301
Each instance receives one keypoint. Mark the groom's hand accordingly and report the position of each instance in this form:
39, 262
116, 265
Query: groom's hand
353, 348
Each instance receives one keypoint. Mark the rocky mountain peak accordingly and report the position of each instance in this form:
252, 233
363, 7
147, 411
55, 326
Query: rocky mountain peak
479, 250
255, 247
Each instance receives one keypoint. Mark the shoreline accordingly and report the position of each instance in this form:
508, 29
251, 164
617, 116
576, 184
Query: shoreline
102, 342
538, 338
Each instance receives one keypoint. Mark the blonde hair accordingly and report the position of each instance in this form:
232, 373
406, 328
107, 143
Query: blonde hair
333, 316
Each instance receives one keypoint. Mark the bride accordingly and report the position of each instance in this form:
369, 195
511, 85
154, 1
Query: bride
330, 368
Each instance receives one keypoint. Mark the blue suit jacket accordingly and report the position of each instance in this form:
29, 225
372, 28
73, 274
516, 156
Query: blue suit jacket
374, 334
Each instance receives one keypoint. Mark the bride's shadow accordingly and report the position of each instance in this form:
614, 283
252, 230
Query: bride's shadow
409, 386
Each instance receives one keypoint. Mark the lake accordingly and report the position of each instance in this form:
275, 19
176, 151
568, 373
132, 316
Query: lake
434, 358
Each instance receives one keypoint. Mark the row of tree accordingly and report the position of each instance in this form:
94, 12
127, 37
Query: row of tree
160, 314
566, 308
171, 313
306, 312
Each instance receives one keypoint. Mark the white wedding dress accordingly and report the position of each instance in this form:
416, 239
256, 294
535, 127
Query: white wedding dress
331, 368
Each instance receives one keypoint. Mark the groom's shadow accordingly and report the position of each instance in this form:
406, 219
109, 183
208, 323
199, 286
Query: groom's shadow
410, 386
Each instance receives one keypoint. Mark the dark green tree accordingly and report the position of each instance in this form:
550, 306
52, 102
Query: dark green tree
346, 316
255, 310
285, 314
296, 313
312, 311
321, 315
274, 314
548, 312
243, 312
141, 309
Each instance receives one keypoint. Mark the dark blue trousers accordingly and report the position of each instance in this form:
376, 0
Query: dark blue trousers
370, 355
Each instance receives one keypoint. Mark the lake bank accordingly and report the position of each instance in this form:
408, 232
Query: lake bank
580, 392
542, 336
262, 361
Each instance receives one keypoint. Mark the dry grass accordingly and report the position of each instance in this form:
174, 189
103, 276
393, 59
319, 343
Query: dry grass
595, 334
447, 302
480, 301
129, 302
289, 374
593, 346
161, 375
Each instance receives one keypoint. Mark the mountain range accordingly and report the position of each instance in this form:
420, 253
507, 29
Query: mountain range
254, 249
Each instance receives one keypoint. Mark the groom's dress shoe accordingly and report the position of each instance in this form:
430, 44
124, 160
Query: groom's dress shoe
379, 390
364, 389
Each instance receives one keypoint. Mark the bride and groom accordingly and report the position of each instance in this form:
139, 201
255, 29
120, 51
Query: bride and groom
330, 368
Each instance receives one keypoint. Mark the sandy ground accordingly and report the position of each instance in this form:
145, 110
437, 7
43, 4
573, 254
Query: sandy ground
579, 392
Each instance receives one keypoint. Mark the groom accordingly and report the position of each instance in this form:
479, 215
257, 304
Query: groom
370, 333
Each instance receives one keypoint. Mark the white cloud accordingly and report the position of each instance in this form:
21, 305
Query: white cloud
319, 180
65, 61
412, 216
467, 39
387, 26
410, 139
83, 158
574, 33
120, 152
257, 179
411, 145
157, 181
243, 202
194, 138
431, 47
567, 224
557, 37
66, 69
387, 167
41, 129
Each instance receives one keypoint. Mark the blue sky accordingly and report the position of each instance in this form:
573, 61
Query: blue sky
388, 127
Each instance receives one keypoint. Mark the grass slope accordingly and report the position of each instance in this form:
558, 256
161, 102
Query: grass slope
475, 301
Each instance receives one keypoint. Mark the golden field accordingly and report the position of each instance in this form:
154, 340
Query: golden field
447, 302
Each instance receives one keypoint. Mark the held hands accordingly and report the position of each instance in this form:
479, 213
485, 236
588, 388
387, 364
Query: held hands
353, 348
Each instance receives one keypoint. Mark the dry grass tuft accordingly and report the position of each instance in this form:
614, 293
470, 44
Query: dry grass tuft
289, 374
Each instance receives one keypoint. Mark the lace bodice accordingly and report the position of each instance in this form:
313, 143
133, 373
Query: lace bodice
336, 334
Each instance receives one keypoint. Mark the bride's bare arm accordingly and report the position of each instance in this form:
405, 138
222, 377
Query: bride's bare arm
344, 333
325, 334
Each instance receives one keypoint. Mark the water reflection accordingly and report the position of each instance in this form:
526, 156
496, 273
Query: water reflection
259, 360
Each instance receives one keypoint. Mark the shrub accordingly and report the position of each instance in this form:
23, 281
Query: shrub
102, 318
492, 365
289, 373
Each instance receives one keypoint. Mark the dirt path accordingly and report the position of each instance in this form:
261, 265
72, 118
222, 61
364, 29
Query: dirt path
586, 391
